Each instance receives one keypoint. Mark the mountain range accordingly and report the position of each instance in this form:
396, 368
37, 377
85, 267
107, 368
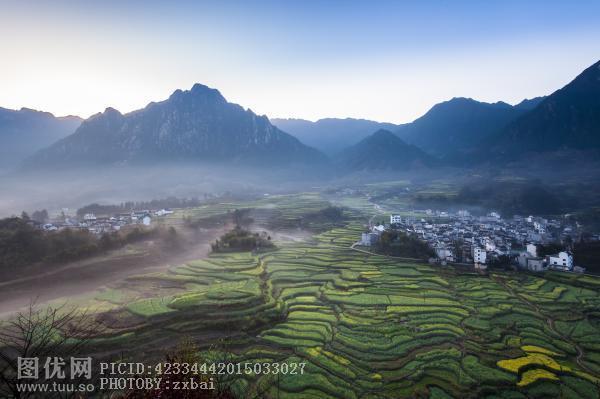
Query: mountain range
24, 131
199, 124
459, 125
331, 135
568, 119
193, 125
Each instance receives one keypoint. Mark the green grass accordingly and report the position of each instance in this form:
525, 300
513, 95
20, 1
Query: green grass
374, 327
150, 307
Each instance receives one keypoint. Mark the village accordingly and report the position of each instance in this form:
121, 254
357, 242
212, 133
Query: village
455, 237
103, 224
462, 238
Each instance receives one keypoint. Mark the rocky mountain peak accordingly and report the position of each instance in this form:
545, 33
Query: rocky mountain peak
191, 125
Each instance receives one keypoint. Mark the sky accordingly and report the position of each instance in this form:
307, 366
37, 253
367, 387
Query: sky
382, 60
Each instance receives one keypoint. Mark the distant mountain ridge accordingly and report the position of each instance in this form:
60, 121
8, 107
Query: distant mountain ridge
24, 131
331, 135
199, 124
529, 104
382, 151
460, 124
568, 119
193, 125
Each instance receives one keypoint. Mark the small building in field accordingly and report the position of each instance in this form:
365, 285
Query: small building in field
378, 229
562, 261
522, 259
479, 255
368, 239
540, 227
163, 212
532, 250
49, 227
535, 264
444, 253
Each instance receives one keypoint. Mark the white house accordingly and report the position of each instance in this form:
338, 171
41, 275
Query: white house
533, 236
368, 239
479, 255
395, 219
535, 264
463, 213
490, 245
163, 212
380, 228
146, 220
532, 250
50, 227
444, 253
89, 216
522, 259
563, 260
539, 227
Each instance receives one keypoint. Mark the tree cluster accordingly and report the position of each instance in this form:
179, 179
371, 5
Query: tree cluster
512, 198
170, 202
323, 218
239, 239
22, 244
398, 243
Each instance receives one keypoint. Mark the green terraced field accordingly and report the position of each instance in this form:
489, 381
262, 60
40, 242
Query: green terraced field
374, 327
277, 211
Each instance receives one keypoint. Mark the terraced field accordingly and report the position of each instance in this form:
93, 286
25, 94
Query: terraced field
280, 211
370, 326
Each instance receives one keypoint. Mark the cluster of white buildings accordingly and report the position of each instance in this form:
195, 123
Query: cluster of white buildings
480, 240
562, 261
370, 238
106, 224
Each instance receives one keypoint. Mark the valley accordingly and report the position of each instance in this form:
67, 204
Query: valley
366, 325
300, 200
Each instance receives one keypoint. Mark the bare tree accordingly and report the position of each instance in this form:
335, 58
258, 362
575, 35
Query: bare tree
41, 333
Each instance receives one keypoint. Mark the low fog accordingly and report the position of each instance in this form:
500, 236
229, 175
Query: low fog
73, 188
55, 190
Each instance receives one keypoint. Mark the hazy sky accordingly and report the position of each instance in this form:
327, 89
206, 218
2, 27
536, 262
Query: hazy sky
388, 61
